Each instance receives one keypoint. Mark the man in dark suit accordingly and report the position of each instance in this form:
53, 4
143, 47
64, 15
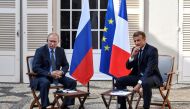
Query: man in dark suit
145, 73
51, 65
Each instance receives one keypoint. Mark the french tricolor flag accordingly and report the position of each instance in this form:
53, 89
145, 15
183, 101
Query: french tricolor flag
82, 61
121, 44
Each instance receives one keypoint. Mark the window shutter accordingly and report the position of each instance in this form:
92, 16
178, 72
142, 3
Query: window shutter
184, 41
7, 4
37, 22
135, 11
9, 41
7, 25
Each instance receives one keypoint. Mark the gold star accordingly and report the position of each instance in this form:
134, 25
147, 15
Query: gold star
106, 48
104, 39
110, 21
105, 29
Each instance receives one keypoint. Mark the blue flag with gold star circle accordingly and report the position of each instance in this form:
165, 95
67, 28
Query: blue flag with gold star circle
107, 39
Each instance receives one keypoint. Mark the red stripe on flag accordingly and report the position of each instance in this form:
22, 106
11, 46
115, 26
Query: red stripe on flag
119, 58
83, 73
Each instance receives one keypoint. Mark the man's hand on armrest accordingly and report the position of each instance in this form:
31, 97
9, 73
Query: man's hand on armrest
138, 86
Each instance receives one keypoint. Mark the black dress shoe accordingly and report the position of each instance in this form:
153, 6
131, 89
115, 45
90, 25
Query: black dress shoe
65, 107
123, 107
44, 108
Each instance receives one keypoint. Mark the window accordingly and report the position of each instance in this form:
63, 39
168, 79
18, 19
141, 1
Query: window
69, 18
70, 11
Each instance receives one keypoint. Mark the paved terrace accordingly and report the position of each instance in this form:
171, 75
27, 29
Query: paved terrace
18, 96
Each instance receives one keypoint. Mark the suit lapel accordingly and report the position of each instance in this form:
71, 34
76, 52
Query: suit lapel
47, 55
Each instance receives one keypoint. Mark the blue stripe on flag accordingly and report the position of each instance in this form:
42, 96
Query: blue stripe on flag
123, 10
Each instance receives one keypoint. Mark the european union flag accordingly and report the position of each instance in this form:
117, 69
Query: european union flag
107, 39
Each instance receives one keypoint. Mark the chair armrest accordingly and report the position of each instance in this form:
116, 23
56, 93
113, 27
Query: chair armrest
31, 74
170, 73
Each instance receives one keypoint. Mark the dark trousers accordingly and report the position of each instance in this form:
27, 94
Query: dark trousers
131, 80
44, 84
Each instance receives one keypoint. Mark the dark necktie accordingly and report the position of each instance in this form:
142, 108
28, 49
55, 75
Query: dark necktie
55, 81
140, 55
139, 59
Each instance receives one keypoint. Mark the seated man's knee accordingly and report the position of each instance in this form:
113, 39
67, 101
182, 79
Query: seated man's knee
71, 84
74, 83
45, 83
146, 84
119, 84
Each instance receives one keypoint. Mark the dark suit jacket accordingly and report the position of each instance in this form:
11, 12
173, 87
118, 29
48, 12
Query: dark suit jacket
42, 63
148, 65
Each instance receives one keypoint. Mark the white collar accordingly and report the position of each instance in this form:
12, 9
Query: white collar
143, 47
51, 49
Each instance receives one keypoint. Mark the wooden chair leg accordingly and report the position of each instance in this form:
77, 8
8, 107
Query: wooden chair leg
35, 101
56, 102
32, 104
129, 103
165, 98
138, 100
132, 96
131, 100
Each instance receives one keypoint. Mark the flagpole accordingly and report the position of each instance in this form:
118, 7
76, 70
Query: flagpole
90, 96
113, 81
88, 87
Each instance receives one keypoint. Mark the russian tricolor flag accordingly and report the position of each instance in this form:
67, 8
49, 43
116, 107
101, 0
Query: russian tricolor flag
121, 44
82, 61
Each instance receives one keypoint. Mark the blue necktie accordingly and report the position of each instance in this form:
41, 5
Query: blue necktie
55, 81
53, 60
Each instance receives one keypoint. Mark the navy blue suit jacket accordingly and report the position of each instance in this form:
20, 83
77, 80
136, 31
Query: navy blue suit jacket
148, 65
42, 63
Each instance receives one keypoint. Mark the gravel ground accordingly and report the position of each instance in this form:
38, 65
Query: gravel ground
18, 96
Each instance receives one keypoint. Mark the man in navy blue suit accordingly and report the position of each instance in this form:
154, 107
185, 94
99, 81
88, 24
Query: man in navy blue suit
51, 65
145, 73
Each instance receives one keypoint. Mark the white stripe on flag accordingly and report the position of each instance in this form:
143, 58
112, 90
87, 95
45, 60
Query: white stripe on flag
85, 16
121, 37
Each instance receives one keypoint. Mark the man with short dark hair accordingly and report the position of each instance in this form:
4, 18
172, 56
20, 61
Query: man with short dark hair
51, 65
145, 73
